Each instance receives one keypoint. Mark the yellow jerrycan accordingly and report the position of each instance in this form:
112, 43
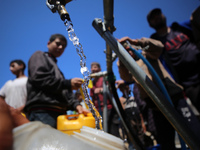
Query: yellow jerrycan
70, 123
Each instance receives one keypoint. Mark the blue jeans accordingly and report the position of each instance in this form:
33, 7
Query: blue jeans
47, 117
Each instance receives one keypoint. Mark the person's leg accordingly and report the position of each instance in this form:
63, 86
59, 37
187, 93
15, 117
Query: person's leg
193, 93
113, 122
185, 111
165, 131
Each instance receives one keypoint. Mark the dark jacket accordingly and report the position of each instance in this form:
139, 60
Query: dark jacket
46, 85
181, 55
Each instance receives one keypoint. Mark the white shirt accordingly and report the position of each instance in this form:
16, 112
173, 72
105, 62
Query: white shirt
15, 92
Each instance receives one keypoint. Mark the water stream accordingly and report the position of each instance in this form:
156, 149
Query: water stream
85, 72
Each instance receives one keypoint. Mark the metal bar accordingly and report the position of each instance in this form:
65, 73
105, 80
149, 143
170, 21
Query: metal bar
108, 18
105, 108
108, 14
109, 21
161, 102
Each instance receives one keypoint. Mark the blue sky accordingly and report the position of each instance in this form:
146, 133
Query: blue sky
27, 25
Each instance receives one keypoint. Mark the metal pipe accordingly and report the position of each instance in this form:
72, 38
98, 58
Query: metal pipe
108, 18
109, 21
161, 102
98, 74
108, 58
105, 108
108, 14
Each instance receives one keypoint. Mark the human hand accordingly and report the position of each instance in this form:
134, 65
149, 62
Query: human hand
120, 84
82, 110
126, 39
98, 90
76, 83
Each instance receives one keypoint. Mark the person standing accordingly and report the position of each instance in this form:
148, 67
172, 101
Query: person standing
164, 131
14, 91
49, 93
181, 56
96, 93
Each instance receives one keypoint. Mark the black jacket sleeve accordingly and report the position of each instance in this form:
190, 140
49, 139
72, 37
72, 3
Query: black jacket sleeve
72, 102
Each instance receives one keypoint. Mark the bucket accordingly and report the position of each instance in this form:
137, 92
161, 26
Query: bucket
73, 123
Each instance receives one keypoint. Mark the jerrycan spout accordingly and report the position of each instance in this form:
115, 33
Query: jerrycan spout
59, 6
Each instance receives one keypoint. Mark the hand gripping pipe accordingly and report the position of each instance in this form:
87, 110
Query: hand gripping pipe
161, 102
153, 72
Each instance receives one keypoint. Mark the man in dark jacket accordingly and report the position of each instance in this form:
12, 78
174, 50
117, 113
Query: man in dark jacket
49, 93
181, 54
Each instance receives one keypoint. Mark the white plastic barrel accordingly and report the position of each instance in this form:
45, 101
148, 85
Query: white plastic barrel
38, 136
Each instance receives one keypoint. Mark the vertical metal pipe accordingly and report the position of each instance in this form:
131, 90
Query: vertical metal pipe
109, 21
105, 108
108, 14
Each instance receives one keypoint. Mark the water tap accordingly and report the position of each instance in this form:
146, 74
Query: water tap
59, 6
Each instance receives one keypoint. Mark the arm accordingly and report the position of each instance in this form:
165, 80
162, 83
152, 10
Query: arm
155, 47
76, 83
6, 126
74, 103
10, 118
3, 91
124, 73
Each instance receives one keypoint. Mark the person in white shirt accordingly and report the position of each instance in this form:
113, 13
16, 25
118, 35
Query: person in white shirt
14, 91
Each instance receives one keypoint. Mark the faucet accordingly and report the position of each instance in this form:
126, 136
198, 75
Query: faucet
59, 6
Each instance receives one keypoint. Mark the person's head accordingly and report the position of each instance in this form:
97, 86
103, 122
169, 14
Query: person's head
95, 67
17, 66
57, 44
156, 19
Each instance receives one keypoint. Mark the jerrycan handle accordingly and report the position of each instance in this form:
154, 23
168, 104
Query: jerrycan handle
76, 116
72, 117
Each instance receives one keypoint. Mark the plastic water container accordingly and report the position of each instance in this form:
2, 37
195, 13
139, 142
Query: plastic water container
100, 138
73, 123
36, 135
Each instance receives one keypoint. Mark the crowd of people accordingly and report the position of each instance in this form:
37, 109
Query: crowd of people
174, 53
